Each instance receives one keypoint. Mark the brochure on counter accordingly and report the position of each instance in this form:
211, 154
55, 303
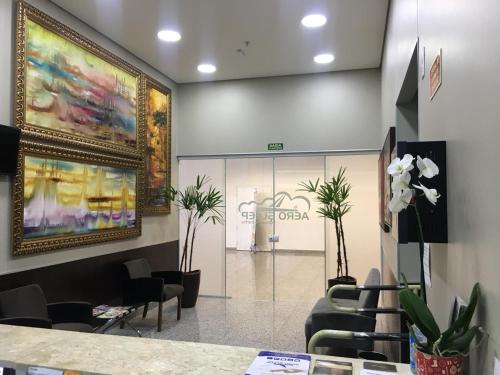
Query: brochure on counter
273, 363
378, 368
329, 367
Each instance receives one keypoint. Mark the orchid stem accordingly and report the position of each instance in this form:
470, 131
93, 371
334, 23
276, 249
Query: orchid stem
421, 248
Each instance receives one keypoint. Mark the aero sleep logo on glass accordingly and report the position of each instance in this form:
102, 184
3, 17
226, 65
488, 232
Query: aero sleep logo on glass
285, 208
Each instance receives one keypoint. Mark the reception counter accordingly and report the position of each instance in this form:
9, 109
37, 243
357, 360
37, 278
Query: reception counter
21, 347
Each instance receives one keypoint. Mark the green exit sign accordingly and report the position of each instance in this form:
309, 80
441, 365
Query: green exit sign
274, 146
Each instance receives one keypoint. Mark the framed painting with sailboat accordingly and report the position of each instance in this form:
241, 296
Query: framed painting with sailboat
73, 92
65, 198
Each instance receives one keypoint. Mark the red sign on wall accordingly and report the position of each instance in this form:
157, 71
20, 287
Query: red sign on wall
435, 75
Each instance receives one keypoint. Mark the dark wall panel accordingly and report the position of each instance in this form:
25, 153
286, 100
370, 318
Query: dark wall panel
96, 279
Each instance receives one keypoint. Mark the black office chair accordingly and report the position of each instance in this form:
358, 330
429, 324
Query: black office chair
142, 286
355, 311
27, 306
324, 316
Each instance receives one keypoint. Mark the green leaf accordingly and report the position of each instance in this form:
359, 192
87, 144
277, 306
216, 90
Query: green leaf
309, 187
419, 313
461, 343
463, 321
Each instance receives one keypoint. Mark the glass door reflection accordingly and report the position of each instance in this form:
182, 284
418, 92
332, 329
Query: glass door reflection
249, 224
300, 251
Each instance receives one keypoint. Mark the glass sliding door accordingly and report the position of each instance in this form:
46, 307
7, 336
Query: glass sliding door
274, 245
275, 239
300, 250
249, 223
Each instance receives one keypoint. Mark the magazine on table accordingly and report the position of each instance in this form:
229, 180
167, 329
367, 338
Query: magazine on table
108, 312
273, 363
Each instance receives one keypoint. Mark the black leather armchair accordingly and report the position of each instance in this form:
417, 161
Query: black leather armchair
324, 316
142, 286
27, 306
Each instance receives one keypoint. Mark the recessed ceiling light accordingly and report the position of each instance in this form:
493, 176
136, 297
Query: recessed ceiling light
324, 58
314, 20
206, 68
169, 35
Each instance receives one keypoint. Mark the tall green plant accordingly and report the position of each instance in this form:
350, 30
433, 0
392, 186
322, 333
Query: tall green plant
334, 195
198, 205
455, 340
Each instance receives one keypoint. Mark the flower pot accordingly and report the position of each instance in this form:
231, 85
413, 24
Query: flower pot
349, 280
191, 283
428, 364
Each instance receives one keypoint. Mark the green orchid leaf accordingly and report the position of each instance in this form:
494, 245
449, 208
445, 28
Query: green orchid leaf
419, 313
461, 343
463, 321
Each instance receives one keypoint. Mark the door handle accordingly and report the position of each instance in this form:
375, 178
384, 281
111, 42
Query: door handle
273, 238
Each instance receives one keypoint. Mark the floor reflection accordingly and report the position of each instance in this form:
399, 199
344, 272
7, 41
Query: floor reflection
299, 275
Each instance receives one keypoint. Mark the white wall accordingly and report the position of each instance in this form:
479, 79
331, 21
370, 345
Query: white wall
329, 111
465, 113
155, 229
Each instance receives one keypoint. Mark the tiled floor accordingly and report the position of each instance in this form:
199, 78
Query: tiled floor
261, 324
248, 317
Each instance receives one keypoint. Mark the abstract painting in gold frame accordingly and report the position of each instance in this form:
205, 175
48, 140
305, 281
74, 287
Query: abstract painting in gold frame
65, 198
71, 91
158, 118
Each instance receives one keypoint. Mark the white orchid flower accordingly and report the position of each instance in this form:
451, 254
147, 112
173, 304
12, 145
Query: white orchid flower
427, 167
401, 182
400, 200
431, 194
399, 166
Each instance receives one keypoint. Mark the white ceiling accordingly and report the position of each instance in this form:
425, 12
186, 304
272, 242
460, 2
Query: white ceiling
212, 31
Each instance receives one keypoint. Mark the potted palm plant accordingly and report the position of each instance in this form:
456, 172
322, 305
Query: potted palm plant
440, 352
334, 195
198, 204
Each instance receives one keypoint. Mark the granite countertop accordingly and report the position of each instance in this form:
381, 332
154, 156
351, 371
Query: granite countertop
107, 354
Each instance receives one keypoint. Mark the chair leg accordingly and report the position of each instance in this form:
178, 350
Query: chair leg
160, 305
145, 311
179, 301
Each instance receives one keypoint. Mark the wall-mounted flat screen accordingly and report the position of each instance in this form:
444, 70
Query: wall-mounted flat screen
9, 149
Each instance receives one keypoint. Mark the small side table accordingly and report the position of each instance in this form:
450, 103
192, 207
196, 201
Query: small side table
102, 323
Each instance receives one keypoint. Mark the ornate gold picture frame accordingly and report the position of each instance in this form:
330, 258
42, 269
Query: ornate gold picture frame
65, 198
71, 91
157, 149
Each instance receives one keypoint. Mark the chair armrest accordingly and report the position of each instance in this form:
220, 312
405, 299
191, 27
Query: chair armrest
70, 312
170, 277
142, 290
28, 321
340, 287
331, 334
342, 321
380, 310
346, 294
